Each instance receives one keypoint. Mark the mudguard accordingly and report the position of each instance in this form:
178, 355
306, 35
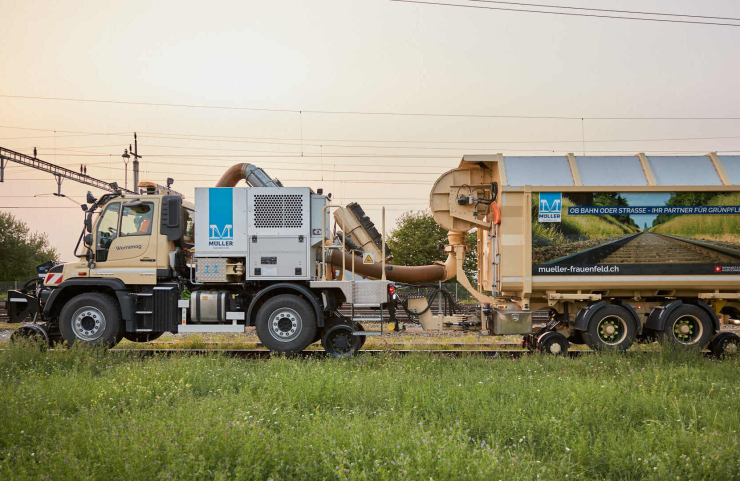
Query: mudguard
659, 315
116, 285
287, 286
584, 315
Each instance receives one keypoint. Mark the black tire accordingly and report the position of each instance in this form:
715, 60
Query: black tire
726, 346
142, 336
553, 343
688, 326
611, 328
339, 342
92, 319
286, 323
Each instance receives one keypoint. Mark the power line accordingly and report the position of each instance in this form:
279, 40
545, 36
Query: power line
606, 10
617, 17
241, 139
350, 112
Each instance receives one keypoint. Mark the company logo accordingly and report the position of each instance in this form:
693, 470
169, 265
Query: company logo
717, 268
734, 269
551, 204
220, 218
123, 248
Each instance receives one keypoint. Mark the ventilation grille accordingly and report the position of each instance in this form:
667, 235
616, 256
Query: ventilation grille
278, 210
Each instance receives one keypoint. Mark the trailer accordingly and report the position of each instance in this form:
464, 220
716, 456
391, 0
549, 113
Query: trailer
614, 248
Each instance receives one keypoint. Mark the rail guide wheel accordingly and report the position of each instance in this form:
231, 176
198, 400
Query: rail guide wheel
553, 343
726, 346
339, 342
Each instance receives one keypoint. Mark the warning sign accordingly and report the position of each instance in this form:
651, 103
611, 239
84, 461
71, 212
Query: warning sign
368, 258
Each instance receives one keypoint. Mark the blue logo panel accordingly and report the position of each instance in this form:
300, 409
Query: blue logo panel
220, 217
550, 208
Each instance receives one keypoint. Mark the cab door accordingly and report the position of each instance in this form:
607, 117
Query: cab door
126, 242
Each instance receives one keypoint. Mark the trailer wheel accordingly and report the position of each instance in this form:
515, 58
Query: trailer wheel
611, 328
726, 346
688, 326
142, 336
286, 323
91, 319
553, 343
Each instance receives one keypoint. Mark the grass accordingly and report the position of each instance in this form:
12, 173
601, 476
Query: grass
578, 227
112, 415
709, 227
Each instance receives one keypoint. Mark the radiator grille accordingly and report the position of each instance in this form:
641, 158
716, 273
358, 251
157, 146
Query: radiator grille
278, 210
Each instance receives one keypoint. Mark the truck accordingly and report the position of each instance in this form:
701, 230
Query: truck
611, 250
150, 262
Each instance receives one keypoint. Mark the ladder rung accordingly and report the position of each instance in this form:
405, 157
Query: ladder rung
143, 312
140, 294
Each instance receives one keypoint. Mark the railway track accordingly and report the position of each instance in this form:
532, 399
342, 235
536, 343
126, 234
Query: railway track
650, 248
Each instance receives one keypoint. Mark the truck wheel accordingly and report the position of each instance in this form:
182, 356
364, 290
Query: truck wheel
91, 319
610, 329
286, 323
688, 326
142, 336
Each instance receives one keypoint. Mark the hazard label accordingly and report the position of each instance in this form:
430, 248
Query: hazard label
368, 258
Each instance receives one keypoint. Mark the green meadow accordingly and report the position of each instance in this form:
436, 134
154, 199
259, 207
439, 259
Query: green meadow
80, 414
709, 227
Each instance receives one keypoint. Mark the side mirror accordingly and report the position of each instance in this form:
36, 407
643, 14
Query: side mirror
88, 239
90, 198
171, 213
88, 223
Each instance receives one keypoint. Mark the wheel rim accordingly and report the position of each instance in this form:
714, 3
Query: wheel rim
687, 329
88, 323
555, 348
285, 325
612, 330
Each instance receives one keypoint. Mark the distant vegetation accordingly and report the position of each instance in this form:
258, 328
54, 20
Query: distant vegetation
710, 227
580, 227
75, 414
21, 250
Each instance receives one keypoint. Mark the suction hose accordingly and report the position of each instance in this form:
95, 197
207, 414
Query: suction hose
408, 274
251, 174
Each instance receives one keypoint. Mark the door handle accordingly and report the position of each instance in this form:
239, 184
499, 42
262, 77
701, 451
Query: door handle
147, 260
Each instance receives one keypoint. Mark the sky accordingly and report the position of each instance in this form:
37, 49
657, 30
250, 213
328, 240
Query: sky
274, 67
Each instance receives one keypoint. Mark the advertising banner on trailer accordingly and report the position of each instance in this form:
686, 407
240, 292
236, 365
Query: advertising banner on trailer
635, 233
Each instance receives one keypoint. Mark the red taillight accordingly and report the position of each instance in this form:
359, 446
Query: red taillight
391, 289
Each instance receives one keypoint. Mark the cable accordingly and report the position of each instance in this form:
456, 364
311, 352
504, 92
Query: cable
606, 10
238, 139
350, 112
570, 14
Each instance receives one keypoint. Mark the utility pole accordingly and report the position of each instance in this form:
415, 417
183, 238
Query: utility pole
136, 162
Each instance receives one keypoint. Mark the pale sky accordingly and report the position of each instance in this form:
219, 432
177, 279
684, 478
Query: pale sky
345, 55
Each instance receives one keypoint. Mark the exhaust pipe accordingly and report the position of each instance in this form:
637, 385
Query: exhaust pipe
251, 174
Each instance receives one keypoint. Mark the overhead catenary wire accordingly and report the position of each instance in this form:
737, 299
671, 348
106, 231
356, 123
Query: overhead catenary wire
633, 12
570, 14
357, 112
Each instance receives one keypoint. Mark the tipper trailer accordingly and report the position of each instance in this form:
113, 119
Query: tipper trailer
613, 249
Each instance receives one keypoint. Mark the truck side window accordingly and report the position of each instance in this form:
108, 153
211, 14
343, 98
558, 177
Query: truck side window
189, 225
107, 230
137, 219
